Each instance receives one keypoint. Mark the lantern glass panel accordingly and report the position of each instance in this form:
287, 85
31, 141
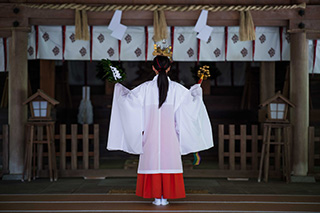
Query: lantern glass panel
36, 104
273, 107
36, 112
43, 112
43, 104
280, 115
274, 115
40, 108
281, 107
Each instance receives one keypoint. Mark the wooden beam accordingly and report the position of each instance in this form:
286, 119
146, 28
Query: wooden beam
313, 36
5, 33
312, 26
173, 2
143, 18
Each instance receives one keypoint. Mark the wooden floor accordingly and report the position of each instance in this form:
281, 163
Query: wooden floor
130, 203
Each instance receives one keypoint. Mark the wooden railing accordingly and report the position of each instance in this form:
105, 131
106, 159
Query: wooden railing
240, 151
314, 152
76, 151
4, 138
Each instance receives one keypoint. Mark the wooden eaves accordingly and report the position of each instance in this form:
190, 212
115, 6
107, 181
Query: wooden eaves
43, 95
294, 20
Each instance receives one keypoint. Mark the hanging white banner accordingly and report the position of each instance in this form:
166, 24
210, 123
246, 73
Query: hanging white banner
238, 50
314, 56
76, 49
103, 44
317, 61
267, 44
32, 43
285, 45
50, 42
214, 48
2, 58
133, 45
185, 45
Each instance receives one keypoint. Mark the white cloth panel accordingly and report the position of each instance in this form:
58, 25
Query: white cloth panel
103, 44
238, 50
151, 42
2, 58
133, 44
76, 49
8, 53
2, 55
32, 43
310, 55
50, 42
316, 68
285, 45
185, 45
317, 62
267, 44
214, 48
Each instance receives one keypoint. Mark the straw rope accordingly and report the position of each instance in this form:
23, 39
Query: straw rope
210, 8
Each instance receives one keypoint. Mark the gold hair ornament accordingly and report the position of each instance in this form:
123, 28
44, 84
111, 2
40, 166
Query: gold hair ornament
164, 51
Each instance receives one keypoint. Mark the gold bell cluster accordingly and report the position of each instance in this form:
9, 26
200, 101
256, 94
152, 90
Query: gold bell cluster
203, 72
164, 51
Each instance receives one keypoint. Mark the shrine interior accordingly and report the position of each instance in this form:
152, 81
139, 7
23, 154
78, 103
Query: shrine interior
231, 96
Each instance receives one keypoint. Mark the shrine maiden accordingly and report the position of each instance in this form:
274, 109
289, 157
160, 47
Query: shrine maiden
160, 120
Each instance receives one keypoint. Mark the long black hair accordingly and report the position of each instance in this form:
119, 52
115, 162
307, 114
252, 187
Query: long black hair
161, 64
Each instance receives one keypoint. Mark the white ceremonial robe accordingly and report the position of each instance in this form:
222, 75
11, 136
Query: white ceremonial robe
160, 136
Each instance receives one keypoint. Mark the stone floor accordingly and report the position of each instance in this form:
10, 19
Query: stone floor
127, 185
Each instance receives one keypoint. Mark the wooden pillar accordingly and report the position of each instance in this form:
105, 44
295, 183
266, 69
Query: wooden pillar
267, 85
299, 95
47, 77
18, 91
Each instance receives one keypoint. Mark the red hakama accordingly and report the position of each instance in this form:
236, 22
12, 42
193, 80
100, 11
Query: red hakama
170, 186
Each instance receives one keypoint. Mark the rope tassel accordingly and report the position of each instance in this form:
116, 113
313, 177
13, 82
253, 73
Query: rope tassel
246, 30
81, 25
160, 26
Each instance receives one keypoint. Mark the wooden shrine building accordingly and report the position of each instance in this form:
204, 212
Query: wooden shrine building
299, 18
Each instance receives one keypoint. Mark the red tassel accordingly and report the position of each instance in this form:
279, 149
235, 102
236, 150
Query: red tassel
91, 43
119, 48
5, 53
147, 39
37, 39
63, 41
226, 42
253, 46
198, 55
172, 40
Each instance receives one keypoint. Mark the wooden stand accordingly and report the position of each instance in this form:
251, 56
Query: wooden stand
30, 150
283, 142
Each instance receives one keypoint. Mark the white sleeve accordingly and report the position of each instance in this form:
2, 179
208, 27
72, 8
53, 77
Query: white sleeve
192, 123
126, 123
